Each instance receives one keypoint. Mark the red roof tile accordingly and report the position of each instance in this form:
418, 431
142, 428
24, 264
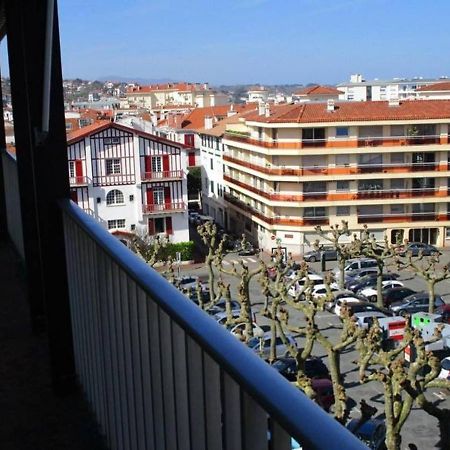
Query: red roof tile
318, 90
444, 86
182, 87
356, 111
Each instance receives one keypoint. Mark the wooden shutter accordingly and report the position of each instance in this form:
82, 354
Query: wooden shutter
169, 229
151, 227
150, 200
167, 199
79, 169
166, 166
74, 196
148, 165
191, 161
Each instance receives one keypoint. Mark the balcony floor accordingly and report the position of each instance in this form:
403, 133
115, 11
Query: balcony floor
33, 418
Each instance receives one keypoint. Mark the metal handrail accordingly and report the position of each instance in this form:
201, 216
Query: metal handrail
298, 415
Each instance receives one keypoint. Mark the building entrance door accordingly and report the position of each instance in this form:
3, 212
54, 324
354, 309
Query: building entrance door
424, 235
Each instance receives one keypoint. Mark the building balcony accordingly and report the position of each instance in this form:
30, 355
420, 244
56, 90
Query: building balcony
78, 181
165, 175
276, 220
173, 207
340, 170
403, 218
369, 194
354, 142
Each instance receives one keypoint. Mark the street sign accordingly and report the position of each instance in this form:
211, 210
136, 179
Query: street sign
178, 257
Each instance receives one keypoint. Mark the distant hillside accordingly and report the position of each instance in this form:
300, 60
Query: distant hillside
118, 79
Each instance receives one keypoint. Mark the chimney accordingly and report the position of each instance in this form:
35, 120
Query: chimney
267, 114
330, 105
208, 122
231, 111
394, 101
261, 109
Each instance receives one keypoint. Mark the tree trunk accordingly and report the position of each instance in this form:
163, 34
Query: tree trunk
431, 296
393, 439
340, 397
380, 302
341, 281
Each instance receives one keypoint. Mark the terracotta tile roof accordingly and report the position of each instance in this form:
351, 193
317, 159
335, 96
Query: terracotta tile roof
181, 87
104, 124
444, 86
196, 118
355, 112
318, 90
220, 127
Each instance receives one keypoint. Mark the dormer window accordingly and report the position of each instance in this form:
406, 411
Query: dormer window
111, 141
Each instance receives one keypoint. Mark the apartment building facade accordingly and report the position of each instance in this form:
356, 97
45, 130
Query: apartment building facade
385, 164
129, 180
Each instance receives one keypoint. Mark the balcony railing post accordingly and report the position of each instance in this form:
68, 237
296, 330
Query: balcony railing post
3, 221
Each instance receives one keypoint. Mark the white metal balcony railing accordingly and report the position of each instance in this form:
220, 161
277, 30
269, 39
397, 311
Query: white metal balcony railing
165, 174
79, 181
161, 374
157, 208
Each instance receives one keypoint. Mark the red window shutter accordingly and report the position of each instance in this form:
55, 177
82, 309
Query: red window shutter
189, 140
78, 168
148, 164
169, 229
151, 226
74, 196
166, 163
167, 199
191, 157
150, 200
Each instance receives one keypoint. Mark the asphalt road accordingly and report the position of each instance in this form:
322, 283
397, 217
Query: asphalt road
420, 428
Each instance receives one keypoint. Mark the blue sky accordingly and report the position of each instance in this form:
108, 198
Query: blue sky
249, 41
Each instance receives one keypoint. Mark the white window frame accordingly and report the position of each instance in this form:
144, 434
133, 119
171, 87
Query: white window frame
115, 197
157, 165
72, 169
113, 166
158, 197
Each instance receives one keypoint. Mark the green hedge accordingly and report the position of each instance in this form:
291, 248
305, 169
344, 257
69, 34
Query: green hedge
170, 250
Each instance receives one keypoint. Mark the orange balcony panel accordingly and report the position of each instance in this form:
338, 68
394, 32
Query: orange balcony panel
162, 175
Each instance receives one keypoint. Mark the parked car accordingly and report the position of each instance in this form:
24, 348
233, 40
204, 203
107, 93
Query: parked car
360, 307
370, 280
205, 296
396, 294
187, 282
355, 264
312, 279
371, 294
329, 253
258, 330
418, 247
220, 306
338, 295
321, 290
444, 311
365, 319
372, 432
221, 317
314, 368
261, 345
445, 368
347, 300
359, 273
415, 303
248, 251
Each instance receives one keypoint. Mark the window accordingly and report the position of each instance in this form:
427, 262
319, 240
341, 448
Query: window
160, 225
274, 134
211, 164
397, 130
156, 164
158, 196
342, 160
397, 158
447, 233
318, 211
342, 186
116, 223
343, 211
397, 209
341, 131
113, 166
71, 169
68, 126
114, 197
313, 133
211, 187
111, 141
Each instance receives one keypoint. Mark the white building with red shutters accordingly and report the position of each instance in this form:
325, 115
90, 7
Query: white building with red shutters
129, 180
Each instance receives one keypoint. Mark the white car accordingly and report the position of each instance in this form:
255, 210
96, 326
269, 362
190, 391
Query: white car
320, 290
298, 285
445, 369
258, 330
341, 301
365, 319
261, 345
371, 292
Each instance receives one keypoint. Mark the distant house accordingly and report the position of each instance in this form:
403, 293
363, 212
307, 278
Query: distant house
317, 94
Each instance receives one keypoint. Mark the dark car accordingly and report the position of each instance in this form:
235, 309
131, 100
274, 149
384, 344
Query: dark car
220, 306
359, 273
367, 307
370, 280
444, 311
415, 303
396, 294
314, 368
372, 432
248, 251
329, 253
418, 247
